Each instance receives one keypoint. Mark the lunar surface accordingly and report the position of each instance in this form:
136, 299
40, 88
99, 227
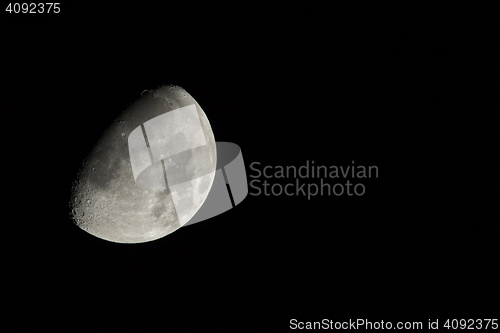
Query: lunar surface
149, 173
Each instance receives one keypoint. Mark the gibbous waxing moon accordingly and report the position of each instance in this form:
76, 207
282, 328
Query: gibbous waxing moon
149, 173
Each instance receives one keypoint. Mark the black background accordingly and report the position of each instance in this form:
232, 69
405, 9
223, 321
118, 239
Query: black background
412, 90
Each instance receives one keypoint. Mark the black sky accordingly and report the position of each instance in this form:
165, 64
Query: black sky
411, 90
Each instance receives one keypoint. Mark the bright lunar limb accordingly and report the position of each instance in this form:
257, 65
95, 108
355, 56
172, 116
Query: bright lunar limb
149, 173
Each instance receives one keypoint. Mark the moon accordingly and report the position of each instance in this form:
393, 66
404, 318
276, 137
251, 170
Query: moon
123, 194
